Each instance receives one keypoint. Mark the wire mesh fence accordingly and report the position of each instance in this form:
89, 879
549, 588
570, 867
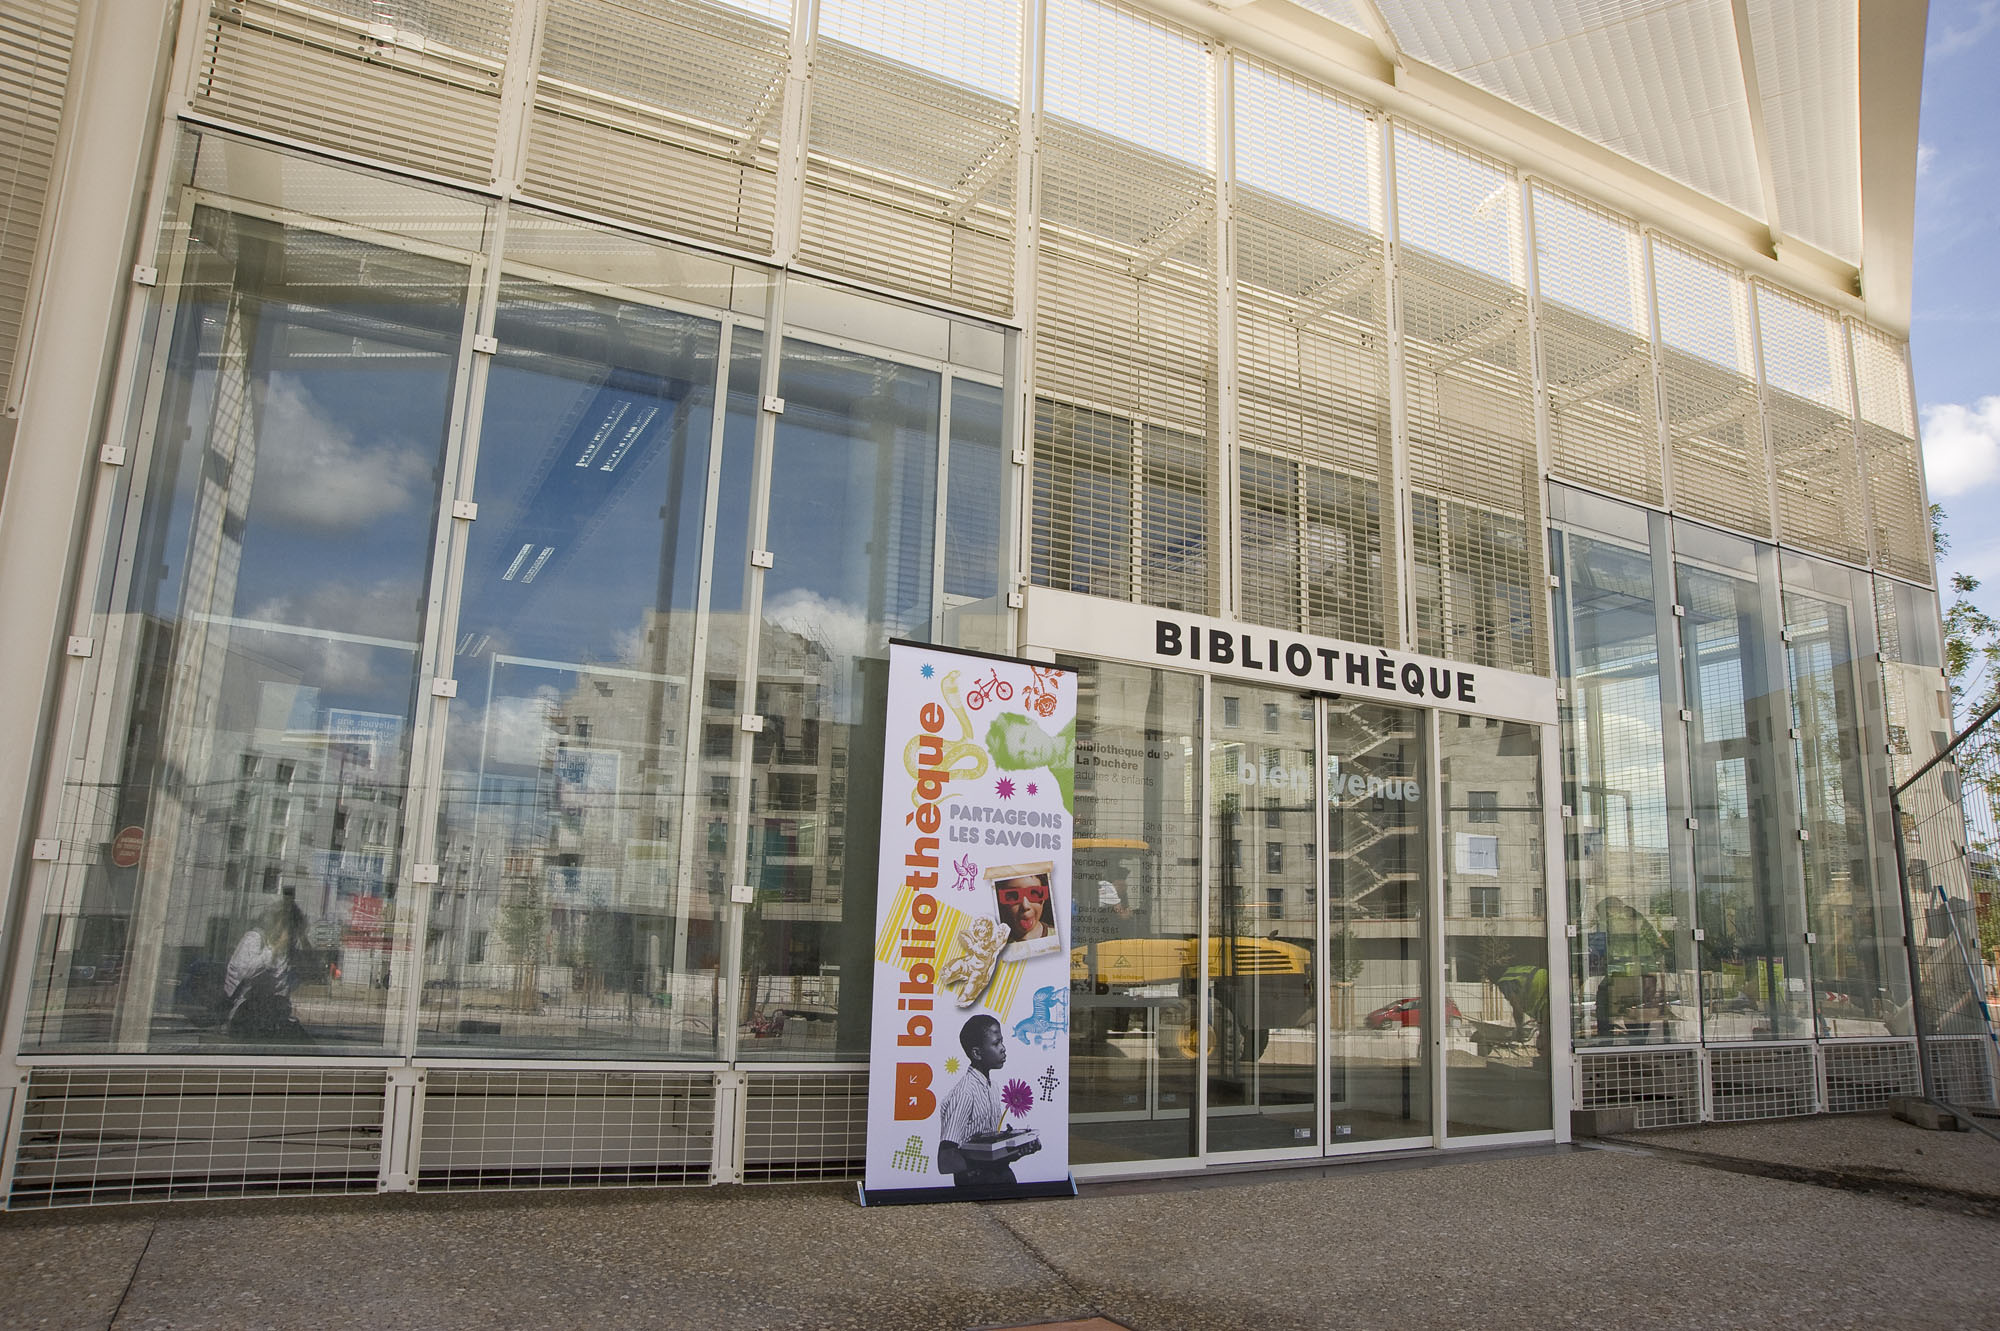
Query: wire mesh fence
1948, 850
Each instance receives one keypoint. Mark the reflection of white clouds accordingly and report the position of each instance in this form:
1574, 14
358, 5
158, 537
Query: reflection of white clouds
517, 728
385, 609
1980, 18
312, 472
836, 625
1961, 446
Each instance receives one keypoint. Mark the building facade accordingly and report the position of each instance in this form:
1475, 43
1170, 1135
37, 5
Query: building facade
468, 459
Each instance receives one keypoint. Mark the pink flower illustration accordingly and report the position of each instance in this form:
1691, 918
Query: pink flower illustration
1004, 787
1017, 1096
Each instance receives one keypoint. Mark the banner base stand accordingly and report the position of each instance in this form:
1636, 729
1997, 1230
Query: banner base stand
992, 1192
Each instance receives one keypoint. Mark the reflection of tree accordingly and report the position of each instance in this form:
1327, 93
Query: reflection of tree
523, 925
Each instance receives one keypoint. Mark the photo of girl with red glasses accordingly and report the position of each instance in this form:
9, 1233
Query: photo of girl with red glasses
1027, 908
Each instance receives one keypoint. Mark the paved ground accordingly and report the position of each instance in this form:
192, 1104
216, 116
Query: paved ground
1661, 1229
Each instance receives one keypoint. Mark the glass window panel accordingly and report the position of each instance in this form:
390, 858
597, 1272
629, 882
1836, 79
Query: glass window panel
853, 510
1263, 926
1378, 940
1754, 979
1496, 951
975, 520
1632, 974
562, 923
1860, 969
1138, 913
273, 621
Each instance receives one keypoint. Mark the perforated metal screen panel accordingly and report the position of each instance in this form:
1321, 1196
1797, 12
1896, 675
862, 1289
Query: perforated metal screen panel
419, 88
661, 112
92, 1135
35, 43
1714, 427
1125, 363
1890, 455
907, 161
524, 1129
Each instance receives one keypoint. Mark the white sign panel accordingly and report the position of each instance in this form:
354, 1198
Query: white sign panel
968, 1082
1092, 626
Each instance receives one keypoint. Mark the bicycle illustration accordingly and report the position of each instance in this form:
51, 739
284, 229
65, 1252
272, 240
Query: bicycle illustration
991, 687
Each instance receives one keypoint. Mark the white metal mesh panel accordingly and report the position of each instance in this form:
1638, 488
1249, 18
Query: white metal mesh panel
514, 1129
1476, 489
35, 40
1596, 354
661, 112
1312, 363
1765, 1081
1714, 427
1962, 1071
1124, 75
93, 1135
1805, 350
1819, 491
1125, 357
1864, 1077
1890, 456
1661, 1086
1704, 308
910, 177
805, 1126
418, 88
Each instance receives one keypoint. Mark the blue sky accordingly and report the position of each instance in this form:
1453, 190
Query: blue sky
1955, 325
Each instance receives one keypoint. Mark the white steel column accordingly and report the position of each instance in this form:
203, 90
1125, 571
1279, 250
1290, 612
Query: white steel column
1396, 485
100, 201
1227, 508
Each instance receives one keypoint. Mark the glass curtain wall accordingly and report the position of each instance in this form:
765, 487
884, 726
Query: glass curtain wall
1632, 960
1496, 946
1137, 872
450, 698
266, 621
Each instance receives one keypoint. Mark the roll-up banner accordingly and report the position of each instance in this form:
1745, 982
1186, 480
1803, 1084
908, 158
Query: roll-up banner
968, 1077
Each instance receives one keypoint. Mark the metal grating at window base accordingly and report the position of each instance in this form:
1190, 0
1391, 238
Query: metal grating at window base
419, 89
662, 112
100, 1135
1766, 1081
1661, 1086
1863, 1077
802, 1127
486, 1130
1962, 1069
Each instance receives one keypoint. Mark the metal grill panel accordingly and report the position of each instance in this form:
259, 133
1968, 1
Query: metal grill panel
1805, 352
1767, 1081
1480, 582
420, 91
1864, 1077
1662, 1086
1962, 1071
803, 1127
910, 179
1717, 444
1819, 491
486, 1130
99, 1135
1890, 454
661, 112
1883, 379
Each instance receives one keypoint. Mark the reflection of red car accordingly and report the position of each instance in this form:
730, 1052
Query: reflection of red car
1406, 1012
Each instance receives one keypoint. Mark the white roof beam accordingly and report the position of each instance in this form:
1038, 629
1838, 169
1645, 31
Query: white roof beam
1891, 69
1760, 136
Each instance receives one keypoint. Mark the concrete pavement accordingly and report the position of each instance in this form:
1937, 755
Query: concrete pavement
1645, 1231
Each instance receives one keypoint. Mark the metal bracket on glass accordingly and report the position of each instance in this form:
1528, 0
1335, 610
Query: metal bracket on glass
1700, 936
1562, 694
466, 509
1693, 824
112, 455
1680, 611
1687, 714
423, 873
762, 559
1015, 600
1805, 834
1812, 937
80, 646
752, 723
1795, 732
1555, 580
1570, 930
1020, 457
444, 688
741, 894
47, 848
1568, 812
1784, 635
485, 344
145, 276
775, 405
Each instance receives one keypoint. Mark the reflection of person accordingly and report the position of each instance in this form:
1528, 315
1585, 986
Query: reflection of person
1024, 907
262, 974
972, 1109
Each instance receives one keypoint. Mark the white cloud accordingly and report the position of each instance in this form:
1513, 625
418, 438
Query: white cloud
1961, 446
1982, 18
1926, 155
312, 472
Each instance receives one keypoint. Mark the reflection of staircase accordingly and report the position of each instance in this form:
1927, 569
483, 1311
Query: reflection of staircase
1370, 850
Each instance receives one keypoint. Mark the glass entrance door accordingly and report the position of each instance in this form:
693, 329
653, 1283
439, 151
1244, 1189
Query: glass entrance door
1264, 922
1380, 1009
